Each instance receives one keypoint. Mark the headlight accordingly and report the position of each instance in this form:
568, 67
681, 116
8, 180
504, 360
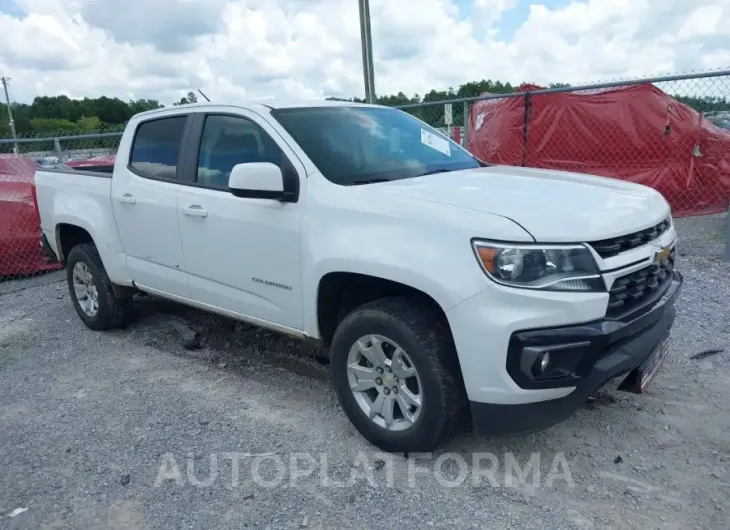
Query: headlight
547, 267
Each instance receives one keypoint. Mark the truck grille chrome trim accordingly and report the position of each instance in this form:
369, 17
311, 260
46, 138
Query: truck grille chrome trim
629, 291
607, 248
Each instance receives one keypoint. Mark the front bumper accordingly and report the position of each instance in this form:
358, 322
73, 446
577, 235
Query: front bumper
594, 354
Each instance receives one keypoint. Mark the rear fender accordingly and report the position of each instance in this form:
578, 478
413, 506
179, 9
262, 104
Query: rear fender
89, 215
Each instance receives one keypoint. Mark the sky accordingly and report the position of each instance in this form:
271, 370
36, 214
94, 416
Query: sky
237, 49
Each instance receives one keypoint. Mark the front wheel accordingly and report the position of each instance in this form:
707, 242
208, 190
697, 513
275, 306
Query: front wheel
91, 290
395, 371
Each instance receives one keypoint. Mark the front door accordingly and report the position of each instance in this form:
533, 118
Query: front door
242, 255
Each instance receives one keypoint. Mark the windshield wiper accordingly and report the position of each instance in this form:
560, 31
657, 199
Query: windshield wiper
367, 181
434, 171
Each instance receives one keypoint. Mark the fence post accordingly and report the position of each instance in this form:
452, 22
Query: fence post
726, 253
465, 132
526, 120
57, 148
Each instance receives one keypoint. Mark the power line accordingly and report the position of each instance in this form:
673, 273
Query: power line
5, 81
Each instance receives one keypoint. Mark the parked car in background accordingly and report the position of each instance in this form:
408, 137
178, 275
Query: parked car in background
98, 163
720, 118
635, 133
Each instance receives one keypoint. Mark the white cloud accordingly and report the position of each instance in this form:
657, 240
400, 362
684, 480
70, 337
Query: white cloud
161, 49
168, 25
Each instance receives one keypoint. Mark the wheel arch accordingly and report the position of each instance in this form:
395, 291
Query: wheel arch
340, 292
71, 230
68, 235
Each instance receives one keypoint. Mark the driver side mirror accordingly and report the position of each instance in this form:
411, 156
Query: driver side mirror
260, 180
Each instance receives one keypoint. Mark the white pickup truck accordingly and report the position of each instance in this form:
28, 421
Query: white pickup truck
441, 286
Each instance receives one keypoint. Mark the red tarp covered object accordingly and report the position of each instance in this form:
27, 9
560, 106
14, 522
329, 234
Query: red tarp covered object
636, 133
20, 251
106, 160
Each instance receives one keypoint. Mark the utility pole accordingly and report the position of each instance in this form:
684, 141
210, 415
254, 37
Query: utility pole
367, 51
10, 115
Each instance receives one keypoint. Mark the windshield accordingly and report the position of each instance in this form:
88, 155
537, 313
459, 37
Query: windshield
359, 145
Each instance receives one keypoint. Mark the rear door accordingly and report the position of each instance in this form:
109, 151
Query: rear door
144, 197
242, 255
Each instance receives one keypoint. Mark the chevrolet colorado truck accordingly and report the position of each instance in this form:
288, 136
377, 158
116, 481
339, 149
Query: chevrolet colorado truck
443, 288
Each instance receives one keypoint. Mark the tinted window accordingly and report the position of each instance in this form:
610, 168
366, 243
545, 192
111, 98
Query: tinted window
156, 148
230, 140
352, 145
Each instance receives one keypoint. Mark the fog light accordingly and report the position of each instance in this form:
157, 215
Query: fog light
544, 361
540, 364
549, 362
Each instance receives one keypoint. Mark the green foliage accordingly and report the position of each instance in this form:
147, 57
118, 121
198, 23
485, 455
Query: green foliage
191, 98
434, 115
704, 104
52, 114
50, 125
89, 123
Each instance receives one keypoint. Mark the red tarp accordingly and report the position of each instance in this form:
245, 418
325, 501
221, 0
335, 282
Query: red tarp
20, 251
636, 133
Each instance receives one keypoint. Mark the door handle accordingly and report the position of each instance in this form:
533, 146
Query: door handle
127, 198
195, 210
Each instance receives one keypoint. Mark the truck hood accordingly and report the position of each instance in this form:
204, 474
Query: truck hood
553, 206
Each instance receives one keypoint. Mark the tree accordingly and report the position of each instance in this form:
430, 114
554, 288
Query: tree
89, 123
50, 114
112, 110
142, 105
52, 125
705, 103
88, 114
191, 98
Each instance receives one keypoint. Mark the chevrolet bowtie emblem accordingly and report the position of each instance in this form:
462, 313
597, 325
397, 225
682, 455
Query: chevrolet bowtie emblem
662, 253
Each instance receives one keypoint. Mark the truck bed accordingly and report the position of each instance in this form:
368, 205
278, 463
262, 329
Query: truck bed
62, 190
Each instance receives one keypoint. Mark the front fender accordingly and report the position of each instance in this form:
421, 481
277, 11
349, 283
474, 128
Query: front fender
433, 256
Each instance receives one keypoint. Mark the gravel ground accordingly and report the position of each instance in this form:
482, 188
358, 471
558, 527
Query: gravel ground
122, 429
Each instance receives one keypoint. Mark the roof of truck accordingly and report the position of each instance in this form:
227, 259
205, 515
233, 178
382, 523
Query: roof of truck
257, 104
295, 103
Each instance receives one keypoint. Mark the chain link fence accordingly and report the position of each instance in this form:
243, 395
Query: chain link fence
21, 254
671, 133
62, 147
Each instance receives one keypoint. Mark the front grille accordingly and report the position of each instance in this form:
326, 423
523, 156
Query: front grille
630, 291
615, 245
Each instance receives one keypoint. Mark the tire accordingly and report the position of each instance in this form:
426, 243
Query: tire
111, 311
422, 335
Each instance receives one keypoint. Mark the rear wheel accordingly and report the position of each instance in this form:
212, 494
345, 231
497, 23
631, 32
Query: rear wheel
396, 375
91, 290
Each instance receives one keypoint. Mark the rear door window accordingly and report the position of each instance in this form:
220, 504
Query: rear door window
156, 148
